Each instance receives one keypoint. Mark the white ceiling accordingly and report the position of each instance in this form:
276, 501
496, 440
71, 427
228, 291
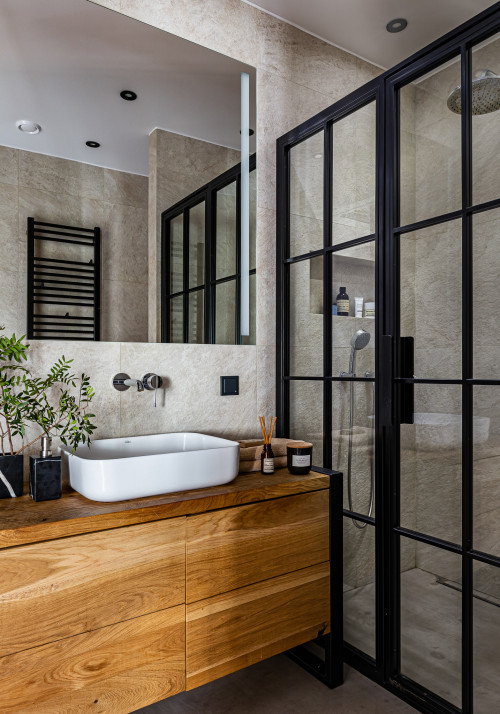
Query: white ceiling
63, 64
358, 26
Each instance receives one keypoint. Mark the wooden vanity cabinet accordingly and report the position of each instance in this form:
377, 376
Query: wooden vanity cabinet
112, 621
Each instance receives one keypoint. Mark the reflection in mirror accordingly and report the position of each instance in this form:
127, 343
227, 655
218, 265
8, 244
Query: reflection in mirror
74, 68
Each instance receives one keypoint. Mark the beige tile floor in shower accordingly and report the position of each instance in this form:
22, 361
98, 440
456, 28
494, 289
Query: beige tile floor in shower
279, 686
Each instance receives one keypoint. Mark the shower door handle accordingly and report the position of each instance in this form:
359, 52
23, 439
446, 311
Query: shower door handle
386, 389
406, 390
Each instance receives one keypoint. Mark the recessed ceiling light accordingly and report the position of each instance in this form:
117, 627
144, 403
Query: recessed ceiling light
396, 25
92, 144
28, 127
318, 156
128, 95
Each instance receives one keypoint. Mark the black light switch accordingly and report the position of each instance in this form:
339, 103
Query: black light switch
229, 385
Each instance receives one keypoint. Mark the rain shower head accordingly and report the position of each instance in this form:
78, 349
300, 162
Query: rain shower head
485, 94
358, 342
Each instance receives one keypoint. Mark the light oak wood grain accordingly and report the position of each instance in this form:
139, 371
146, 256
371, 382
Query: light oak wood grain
24, 521
239, 546
53, 590
231, 631
113, 670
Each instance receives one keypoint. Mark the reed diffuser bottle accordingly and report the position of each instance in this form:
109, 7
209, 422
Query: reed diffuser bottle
267, 456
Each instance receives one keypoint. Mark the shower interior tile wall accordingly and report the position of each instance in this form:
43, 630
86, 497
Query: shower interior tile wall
297, 76
431, 307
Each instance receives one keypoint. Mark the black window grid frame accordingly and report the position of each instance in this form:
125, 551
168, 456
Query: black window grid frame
391, 380
205, 194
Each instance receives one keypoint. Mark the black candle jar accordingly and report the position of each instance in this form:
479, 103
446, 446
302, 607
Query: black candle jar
299, 457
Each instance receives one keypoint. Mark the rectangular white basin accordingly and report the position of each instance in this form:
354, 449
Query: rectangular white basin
138, 466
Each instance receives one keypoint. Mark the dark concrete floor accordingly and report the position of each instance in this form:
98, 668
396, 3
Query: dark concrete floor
279, 686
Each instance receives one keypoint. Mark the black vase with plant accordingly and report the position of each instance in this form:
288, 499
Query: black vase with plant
48, 404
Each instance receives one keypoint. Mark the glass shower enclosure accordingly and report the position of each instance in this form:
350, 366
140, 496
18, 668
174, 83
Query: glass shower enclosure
394, 194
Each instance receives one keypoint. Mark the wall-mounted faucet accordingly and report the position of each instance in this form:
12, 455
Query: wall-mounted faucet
150, 381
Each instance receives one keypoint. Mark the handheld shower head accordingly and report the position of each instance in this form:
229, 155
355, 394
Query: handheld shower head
359, 341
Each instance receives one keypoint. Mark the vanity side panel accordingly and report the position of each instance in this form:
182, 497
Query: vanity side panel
115, 669
239, 546
234, 630
65, 587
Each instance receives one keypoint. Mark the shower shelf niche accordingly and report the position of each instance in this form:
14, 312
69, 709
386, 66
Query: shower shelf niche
356, 273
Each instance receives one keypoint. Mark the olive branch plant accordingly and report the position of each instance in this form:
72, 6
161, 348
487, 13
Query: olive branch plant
50, 404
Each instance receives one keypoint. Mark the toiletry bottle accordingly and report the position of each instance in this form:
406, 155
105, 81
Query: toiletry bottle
358, 307
267, 460
343, 302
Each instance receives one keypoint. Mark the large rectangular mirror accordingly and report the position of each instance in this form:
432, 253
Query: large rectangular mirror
121, 143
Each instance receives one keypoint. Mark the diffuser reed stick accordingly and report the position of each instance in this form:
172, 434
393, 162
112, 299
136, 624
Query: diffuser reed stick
267, 434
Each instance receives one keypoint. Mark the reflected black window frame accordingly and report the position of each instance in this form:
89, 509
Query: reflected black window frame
205, 194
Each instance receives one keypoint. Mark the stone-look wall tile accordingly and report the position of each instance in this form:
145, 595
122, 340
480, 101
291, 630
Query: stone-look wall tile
304, 59
9, 165
229, 27
266, 381
10, 317
277, 113
111, 4
9, 207
124, 188
190, 400
60, 176
124, 243
125, 317
266, 276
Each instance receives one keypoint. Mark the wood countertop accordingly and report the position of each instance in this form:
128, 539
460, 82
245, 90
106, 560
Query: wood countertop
22, 520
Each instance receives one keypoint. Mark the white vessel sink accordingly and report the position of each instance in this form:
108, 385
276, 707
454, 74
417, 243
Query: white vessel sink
138, 466
444, 431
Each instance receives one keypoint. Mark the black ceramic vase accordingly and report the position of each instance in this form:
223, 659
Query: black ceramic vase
45, 474
11, 480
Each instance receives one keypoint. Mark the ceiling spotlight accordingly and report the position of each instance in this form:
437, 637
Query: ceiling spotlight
92, 144
396, 25
128, 95
318, 156
28, 127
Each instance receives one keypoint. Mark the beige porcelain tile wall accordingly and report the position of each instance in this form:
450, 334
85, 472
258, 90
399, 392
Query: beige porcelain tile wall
60, 191
297, 76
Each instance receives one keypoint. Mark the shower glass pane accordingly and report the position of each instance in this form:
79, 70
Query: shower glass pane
176, 321
360, 439
354, 169
485, 127
486, 497
486, 296
225, 313
226, 232
359, 586
195, 324
431, 614
431, 298
306, 415
354, 269
430, 146
176, 254
197, 245
431, 463
486, 637
306, 195
306, 318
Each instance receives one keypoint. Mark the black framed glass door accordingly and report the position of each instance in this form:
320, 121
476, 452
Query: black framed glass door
407, 213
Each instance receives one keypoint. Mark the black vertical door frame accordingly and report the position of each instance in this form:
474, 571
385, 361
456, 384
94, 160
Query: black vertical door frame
393, 383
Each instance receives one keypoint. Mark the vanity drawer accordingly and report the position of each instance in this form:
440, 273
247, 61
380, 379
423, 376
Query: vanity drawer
64, 587
235, 547
115, 669
231, 631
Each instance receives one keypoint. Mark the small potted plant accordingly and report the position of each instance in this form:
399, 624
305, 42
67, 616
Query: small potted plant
12, 376
48, 404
